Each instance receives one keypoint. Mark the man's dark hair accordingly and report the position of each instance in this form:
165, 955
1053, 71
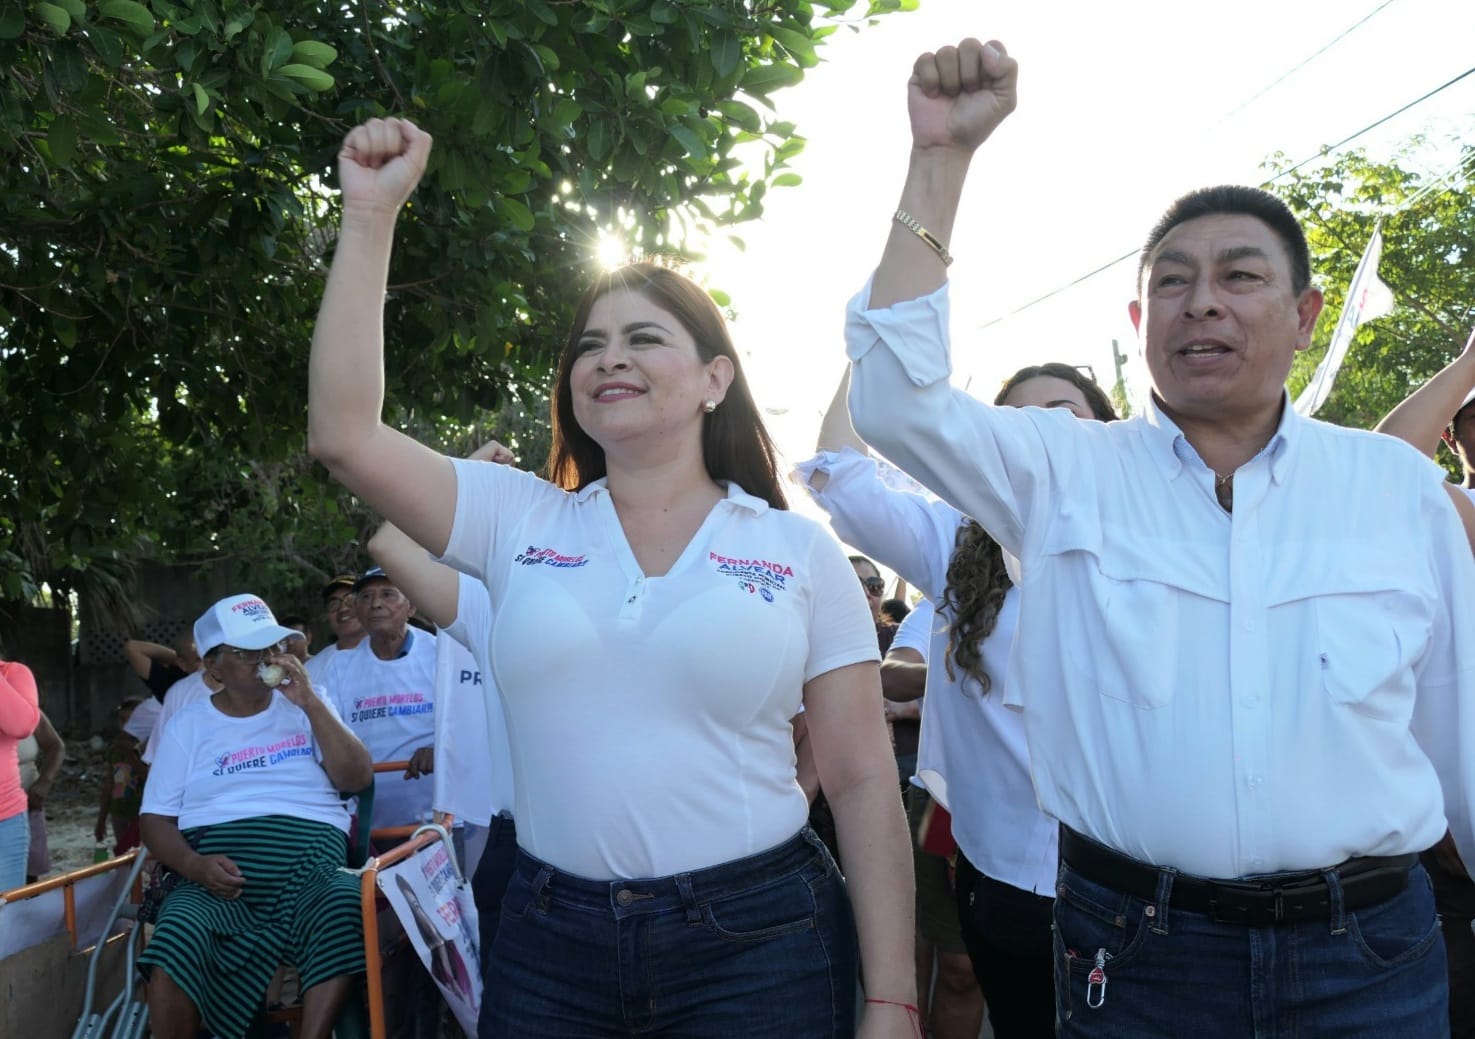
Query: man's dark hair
294, 620
895, 610
1235, 200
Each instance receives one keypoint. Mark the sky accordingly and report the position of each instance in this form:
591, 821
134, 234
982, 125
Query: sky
1122, 108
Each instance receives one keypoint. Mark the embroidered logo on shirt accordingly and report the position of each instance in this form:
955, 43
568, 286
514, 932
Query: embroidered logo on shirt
548, 557
755, 576
395, 705
257, 757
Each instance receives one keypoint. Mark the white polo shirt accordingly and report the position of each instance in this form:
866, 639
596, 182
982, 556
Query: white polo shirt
972, 754
213, 768
1278, 688
473, 763
649, 718
390, 705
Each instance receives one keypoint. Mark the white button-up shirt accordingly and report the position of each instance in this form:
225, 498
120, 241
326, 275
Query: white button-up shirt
1276, 689
971, 755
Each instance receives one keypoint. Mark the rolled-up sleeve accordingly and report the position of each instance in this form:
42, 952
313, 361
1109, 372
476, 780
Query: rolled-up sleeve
908, 532
998, 465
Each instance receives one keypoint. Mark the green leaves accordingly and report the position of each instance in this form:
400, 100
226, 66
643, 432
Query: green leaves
1429, 238
169, 205
61, 140
53, 17
134, 15
312, 78
313, 54
12, 22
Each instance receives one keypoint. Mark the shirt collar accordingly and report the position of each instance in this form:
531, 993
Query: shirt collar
736, 496
1171, 449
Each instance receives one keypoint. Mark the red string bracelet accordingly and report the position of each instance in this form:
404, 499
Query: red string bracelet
908, 1007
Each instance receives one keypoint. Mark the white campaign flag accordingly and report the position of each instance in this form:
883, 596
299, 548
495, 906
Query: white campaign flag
1367, 298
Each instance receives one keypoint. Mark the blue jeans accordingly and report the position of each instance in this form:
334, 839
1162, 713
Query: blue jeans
762, 947
489, 883
1377, 972
15, 843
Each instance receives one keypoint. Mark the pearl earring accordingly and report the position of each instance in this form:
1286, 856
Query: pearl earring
709, 406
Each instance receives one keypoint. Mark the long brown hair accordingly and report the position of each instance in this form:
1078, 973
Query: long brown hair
735, 444
976, 579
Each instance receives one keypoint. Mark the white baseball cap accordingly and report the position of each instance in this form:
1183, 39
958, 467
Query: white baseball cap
243, 621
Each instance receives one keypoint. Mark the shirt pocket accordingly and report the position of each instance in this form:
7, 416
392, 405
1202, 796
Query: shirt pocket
1123, 635
1366, 626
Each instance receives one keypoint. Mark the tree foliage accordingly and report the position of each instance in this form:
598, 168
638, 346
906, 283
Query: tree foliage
1428, 261
167, 214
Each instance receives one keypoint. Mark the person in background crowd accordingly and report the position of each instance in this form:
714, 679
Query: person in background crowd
19, 715
1442, 409
384, 689
243, 802
895, 610
1239, 654
663, 522
121, 790
951, 998
472, 747
299, 648
343, 621
161, 666
972, 757
41, 758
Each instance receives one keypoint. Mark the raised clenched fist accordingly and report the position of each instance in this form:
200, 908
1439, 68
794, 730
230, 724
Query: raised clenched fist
958, 95
380, 163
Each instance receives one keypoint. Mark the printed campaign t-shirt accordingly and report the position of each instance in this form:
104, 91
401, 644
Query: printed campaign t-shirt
473, 762
211, 768
390, 705
189, 689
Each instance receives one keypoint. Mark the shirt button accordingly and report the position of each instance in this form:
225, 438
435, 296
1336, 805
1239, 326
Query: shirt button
624, 897
1251, 701
1257, 863
1255, 782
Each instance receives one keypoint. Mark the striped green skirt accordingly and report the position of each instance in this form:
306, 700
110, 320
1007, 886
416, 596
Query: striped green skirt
298, 906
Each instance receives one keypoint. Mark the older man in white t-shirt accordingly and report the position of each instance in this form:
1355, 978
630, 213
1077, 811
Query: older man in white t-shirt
384, 689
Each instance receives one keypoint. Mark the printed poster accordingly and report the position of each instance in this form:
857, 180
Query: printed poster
433, 902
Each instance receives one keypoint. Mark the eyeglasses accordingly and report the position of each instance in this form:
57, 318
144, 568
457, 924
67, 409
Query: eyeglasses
338, 602
874, 585
251, 656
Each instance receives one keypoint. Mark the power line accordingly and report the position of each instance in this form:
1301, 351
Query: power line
1321, 154
1465, 165
1371, 126
1297, 68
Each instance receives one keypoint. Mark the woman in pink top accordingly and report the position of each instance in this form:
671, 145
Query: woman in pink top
19, 714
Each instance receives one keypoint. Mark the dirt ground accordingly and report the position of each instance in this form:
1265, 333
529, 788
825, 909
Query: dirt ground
71, 810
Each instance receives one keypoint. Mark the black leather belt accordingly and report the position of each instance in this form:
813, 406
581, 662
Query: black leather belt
1279, 899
